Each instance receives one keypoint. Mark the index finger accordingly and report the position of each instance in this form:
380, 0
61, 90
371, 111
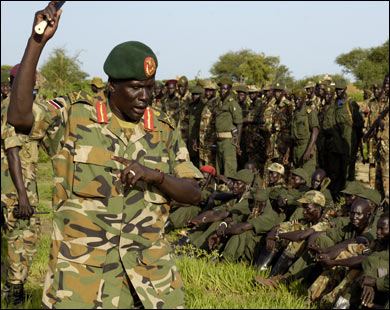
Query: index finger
121, 160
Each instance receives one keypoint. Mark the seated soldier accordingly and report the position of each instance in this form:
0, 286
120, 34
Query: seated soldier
235, 209
181, 213
291, 235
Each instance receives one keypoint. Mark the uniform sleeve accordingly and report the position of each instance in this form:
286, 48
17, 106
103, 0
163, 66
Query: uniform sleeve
335, 234
370, 265
236, 112
313, 120
10, 137
265, 222
382, 283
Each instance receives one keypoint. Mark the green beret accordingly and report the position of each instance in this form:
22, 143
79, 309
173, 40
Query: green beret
353, 188
262, 195
197, 90
244, 175
225, 80
372, 195
279, 86
5, 77
131, 60
183, 81
341, 84
303, 174
300, 93
241, 88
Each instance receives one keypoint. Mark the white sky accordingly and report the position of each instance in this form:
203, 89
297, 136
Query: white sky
188, 37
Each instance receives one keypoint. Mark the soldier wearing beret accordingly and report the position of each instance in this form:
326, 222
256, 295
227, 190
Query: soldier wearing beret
117, 163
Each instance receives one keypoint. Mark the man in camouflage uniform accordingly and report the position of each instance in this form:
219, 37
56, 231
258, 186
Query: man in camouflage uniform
304, 132
158, 95
5, 85
184, 103
228, 125
242, 96
97, 85
116, 164
171, 102
312, 101
207, 133
194, 114
19, 197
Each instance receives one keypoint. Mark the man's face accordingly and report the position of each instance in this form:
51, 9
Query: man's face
274, 177
5, 89
296, 181
278, 94
182, 89
268, 94
209, 93
224, 90
378, 91
241, 96
360, 213
238, 187
299, 101
311, 212
158, 90
320, 91
328, 95
196, 97
340, 92
386, 85
94, 88
171, 89
382, 231
131, 98
253, 96
316, 180
349, 199
310, 91
366, 94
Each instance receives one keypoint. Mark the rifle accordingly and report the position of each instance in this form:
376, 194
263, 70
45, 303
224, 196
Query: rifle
375, 125
40, 28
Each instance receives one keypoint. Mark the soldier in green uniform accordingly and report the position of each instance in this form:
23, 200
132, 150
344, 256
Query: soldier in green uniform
228, 126
116, 164
194, 115
158, 95
171, 102
242, 96
312, 101
304, 132
207, 134
184, 103
19, 197
350, 125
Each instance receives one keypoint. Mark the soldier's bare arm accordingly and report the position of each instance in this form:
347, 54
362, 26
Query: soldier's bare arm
313, 138
20, 109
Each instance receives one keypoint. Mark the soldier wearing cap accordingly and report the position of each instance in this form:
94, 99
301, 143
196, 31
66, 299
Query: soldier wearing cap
228, 126
184, 102
304, 132
171, 101
350, 125
312, 101
158, 95
5, 84
194, 115
97, 85
207, 133
242, 96
116, 163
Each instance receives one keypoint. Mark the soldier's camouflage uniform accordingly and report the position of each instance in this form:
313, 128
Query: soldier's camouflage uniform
184, 104
171, 107
108, 237
22, 236
314, 103
207, 134
157, 103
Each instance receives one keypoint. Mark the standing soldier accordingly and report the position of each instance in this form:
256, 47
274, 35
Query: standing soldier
242, 96
184, 102
350, 125
304, 132
312, 101
228, 125
116, 163
207, 133
171, 101
158, 95
97, 85
19, 197
5, 85
195, 109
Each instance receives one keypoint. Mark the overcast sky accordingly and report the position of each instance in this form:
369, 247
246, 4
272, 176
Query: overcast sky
188, 37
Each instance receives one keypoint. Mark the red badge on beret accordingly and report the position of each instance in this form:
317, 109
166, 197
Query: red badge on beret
149, 66
208, 169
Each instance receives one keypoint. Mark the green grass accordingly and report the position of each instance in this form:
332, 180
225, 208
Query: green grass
208, 285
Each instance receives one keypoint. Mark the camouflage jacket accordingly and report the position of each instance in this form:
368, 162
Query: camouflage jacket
94, 214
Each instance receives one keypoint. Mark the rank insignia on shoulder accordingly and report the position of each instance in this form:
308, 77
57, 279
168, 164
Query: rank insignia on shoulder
101, 112
148, 119
80, 96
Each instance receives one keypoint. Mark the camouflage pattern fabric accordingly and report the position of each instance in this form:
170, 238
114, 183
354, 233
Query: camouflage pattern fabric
157, 103
184, 104
171, 108
207, 134
106, 236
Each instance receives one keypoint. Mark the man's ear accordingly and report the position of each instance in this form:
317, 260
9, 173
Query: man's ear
111, 87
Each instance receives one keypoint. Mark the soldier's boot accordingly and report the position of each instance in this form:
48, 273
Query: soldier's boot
282, 265
6, 292
168, 227
265, 259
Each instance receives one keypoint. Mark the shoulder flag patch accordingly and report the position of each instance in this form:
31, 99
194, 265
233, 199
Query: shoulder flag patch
56, 104
101, 112
148, 119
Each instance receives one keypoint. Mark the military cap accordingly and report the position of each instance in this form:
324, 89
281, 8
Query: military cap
313, 197
241, 88
225, 80
341, 84
208, 169
182, 81
197, 90
5, 77
277, 168
158, 83
279, 86
262, 195
210, 85
300, 93
303, 174
353, 188
131, 60
244, 175
97, 81
372, 195
267, 86
310, 84
173, 81
252, 89
329, 88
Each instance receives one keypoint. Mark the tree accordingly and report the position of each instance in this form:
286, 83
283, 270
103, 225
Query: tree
367, 65
253, 68
62, 71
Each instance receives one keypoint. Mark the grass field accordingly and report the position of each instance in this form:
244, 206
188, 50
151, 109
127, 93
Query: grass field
208, 285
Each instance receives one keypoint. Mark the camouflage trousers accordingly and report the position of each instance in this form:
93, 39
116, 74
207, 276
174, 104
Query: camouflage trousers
372, 175
23, 237
382, 175
331, 282
206, 156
